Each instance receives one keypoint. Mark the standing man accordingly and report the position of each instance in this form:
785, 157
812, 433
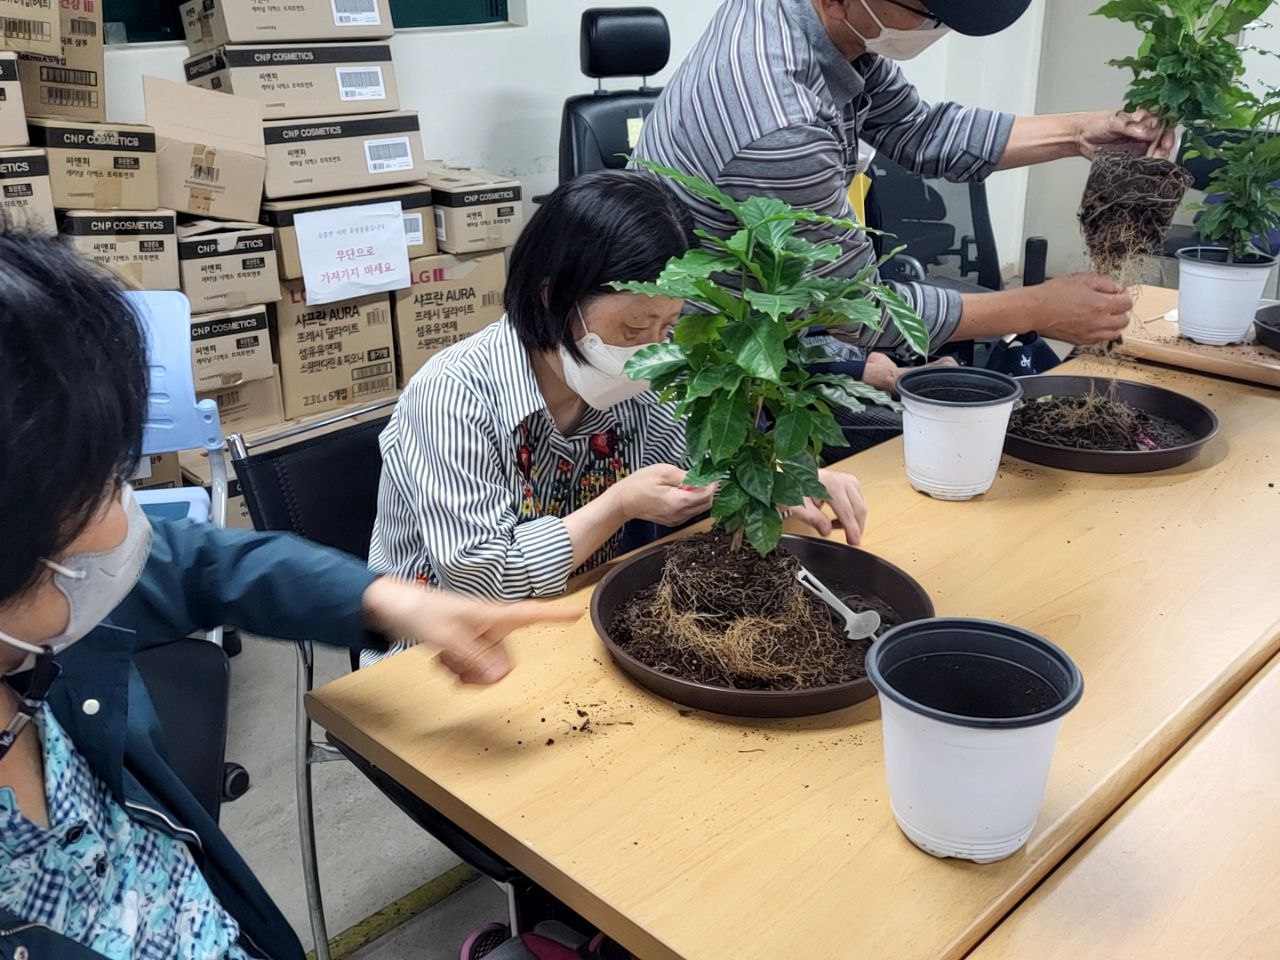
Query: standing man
776, 96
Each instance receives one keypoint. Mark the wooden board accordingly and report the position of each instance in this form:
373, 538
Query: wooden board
1151, 336
706, 838
1186, 870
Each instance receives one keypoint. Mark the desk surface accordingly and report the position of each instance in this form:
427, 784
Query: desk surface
698, 837
1189, 868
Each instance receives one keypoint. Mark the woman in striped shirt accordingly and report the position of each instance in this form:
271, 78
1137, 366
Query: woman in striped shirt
517, 456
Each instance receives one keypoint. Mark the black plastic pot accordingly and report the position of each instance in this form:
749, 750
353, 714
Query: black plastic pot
1191, 415
974, 673
1266, 326
844, 569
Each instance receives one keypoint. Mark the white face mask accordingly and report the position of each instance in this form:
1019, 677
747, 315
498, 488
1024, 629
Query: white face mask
94, 583
600, 381
898, 44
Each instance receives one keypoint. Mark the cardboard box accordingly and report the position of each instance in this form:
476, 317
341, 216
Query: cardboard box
72, 84
249, 406
231, 348
216, 23
333, 355
450, 299
159, 472
225, 266
327, 154
138, 246
13, 113
194, 468
26, 198
99, 166
33, 26
475, 210
302, 81
211, 156
415, 201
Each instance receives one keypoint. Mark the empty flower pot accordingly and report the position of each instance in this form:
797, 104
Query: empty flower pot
970, 711
1217, 299
953, 427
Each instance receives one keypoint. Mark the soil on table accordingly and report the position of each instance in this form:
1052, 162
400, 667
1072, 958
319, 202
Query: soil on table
736, 619
1126, 211
1094, 421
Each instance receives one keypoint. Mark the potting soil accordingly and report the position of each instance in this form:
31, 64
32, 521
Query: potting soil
1094, 422
1126, 211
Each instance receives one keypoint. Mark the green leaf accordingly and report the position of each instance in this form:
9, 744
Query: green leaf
787, 491
791, 433
655, 360
754, 475
903, 317
859, 312
730, 499
758, 347
779, 304
848, 392
711, 380
764, 527
727, 424
804, 469
697, 328
695, 185
704, 473
824, 429
757, 210
696, 264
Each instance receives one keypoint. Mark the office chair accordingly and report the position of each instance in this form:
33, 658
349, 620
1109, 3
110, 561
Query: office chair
320, 481
599, 130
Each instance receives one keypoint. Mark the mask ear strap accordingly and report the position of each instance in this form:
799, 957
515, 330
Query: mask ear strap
64, 571
43, 675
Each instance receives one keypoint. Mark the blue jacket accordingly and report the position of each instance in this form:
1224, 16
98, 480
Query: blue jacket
196, 577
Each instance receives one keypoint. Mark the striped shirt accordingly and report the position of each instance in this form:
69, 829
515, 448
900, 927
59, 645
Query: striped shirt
477, 478
766, 105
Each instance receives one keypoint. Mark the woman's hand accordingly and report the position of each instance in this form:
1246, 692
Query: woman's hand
467, 632
656, 494
845, 501
1133, 133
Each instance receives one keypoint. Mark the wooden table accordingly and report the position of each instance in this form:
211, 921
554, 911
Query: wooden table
1188, 869
705, 838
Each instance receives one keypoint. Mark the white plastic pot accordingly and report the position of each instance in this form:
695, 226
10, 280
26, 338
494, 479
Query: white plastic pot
1217, 300
953, 426
966, 762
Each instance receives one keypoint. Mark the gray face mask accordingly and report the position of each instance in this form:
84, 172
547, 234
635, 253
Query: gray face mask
94, 583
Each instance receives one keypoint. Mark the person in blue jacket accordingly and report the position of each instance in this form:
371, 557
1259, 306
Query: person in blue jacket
103, 850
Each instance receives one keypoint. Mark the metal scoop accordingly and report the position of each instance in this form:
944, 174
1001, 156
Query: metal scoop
857, 626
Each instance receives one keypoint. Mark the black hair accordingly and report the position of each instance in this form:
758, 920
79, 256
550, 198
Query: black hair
73, 397
599, 228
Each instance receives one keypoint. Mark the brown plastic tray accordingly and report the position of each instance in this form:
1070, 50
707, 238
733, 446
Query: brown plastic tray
1190, 414
846, 570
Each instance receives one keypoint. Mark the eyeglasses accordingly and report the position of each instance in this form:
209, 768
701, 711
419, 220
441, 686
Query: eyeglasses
931, 22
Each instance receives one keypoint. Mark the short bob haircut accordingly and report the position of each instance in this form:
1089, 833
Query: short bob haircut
73, 397
599, 228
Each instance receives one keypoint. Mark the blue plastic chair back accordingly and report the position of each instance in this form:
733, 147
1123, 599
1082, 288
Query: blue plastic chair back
175, 419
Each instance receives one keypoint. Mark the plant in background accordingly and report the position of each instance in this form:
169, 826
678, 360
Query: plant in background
1244, 205
1186, 73
743, 362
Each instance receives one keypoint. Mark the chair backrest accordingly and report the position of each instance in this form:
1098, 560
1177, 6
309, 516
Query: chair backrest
189, 682
598, 131
945, 226
323, 487
175, 419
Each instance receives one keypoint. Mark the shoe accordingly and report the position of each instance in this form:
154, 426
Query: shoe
480, 943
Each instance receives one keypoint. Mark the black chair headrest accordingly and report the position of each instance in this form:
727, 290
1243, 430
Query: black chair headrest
624, 42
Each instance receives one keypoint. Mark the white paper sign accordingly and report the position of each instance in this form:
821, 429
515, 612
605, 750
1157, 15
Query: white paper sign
352, 251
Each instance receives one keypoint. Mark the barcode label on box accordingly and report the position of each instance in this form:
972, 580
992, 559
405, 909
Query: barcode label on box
385, 156
84, 28
440, 234
78, 78
356, 13
361, 83
68, 97
491, 298
16, 28
205, 174
413, 229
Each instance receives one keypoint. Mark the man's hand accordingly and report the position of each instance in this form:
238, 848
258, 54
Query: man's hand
467, 632
1131, 132
881, 372
1084, 308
